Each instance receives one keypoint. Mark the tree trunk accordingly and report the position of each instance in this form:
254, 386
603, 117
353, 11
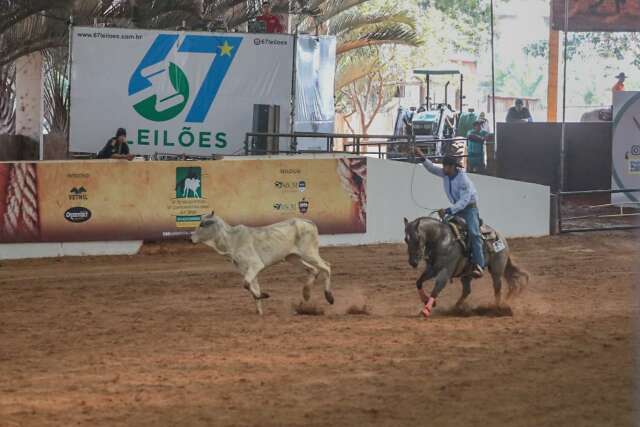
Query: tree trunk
29, 96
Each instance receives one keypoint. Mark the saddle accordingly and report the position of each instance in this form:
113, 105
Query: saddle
459, 227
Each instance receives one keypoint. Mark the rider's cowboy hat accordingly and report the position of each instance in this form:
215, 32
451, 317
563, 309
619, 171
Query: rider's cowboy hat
450, 160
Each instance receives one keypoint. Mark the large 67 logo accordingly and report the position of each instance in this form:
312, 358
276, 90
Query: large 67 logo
153, 65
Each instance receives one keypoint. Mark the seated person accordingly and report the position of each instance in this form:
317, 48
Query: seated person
116, 147
272, 22
519, 113
476, 138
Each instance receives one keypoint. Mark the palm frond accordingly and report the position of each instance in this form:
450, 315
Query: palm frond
352, 20
385, 34
7, 99
355, 69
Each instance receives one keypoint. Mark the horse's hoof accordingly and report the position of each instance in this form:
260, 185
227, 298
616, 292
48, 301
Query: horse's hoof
264, 295
329, 297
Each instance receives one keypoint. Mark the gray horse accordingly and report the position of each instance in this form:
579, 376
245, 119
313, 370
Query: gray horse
434, 241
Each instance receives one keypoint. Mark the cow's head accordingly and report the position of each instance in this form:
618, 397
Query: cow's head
208, 228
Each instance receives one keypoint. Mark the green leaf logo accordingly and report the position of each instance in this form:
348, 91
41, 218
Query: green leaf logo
169, 107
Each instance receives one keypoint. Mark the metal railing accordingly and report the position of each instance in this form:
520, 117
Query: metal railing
397, 147
611, 211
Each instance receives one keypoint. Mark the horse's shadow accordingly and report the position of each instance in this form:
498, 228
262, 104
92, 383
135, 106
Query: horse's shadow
466, 310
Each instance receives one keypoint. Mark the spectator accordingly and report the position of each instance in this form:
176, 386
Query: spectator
619, 86
519, 113
272, 22
476, 138
485, 123
465, 124
116, 147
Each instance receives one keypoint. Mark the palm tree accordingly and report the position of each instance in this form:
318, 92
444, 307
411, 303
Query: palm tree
28, 26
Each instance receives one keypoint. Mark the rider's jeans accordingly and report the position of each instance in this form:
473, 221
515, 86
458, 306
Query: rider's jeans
472, 217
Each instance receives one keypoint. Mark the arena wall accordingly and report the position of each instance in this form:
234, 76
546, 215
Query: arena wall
515, 208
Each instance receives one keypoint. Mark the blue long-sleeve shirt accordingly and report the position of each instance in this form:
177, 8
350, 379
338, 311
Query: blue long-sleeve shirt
459, 188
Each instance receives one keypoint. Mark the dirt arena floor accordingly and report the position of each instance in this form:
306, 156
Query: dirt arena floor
170, 338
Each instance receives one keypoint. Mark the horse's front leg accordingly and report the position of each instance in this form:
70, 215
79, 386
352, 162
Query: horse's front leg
427, 274
442, 278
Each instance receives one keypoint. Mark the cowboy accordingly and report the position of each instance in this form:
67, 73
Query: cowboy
619, 86
464, 197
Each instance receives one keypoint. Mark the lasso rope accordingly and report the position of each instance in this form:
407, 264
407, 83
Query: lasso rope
413, 198
21, 216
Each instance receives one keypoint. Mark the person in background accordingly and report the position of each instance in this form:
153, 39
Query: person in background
465, 123
476, 138
485, 123
116, 147
519, 113
619, 86
272, 22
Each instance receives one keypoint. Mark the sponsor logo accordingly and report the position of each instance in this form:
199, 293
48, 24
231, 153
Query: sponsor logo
291, 185
290, 171
269, 42
303, 206
77, 214
155, 72
78, 193
189, 183
78, 175
635, 150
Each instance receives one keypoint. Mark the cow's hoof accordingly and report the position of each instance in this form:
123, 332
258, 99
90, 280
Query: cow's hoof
264, 295
329, 297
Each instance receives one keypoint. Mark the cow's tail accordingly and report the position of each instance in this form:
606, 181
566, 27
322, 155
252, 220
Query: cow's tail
517, 278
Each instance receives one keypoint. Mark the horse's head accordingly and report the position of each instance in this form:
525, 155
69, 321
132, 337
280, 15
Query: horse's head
415, 241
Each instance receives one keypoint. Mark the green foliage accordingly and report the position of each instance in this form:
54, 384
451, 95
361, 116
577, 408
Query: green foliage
471, 19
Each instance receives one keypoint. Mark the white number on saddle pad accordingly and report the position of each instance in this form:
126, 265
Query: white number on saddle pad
498, 245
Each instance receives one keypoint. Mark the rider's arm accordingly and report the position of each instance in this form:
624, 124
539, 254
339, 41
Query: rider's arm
436, 170
466, 195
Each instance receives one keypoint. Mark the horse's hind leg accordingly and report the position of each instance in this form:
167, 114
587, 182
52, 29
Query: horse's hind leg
466, 290
497, 287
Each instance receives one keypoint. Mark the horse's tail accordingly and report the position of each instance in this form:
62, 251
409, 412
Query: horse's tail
517, 278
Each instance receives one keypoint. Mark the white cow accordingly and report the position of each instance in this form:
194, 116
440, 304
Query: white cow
191, 185
252, 249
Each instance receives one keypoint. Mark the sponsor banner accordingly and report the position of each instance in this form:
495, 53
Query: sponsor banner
116, 200
626, 146
597, 15
175, 92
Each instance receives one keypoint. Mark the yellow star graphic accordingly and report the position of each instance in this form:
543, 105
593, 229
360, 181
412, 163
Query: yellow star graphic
225, 49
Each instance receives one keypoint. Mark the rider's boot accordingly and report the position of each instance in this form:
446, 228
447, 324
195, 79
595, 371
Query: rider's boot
477, 271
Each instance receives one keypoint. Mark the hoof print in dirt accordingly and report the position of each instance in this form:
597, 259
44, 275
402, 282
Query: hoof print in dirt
308, 309
359, 310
